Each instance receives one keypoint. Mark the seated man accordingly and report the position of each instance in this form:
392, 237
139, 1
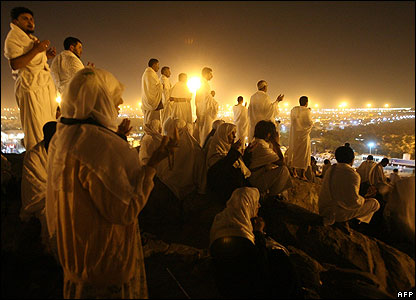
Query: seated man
394, 177
364, 170
325, 167
339, 200
377, 178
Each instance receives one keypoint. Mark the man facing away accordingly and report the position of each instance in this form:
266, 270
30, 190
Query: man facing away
394, 177
67, 63
180, 101
35, 91
206, 106
167, 86
364, 171
241, 120
377, 178
299, 151
339, 200
152, 90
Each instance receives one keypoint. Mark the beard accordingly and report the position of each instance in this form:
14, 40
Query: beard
31, 31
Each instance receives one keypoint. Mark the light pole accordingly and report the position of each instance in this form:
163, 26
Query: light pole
370, 145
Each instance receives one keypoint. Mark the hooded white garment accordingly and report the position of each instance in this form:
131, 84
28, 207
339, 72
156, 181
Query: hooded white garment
235, 219
241, 121
339, 200
377, 178
34, 88
181, 109
96, 188
150, 141
299, 151
394, 178
271, 179
152, 90
220, 146
167, 88
364, 169
188, 172
206, 110
261, 108
63, 68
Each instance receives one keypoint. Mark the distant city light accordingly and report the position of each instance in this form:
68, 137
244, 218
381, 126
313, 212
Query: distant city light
316, 105
194, 83
369, 105
386, 105
343, 104
58, 99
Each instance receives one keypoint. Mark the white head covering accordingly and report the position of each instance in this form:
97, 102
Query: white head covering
217, 124
153, 128
235, 219
91, 93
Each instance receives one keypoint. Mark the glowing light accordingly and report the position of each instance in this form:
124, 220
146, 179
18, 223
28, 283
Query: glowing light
343, 104
386, 105
371, 145
369, 105
194, 83
139, 104
58, 99
316, 105
286, 104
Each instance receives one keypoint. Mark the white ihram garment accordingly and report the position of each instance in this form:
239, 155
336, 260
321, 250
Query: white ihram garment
206, 110
34, 88
181, 103
377, 178
339, 200
261, 108
150, 141
364, 169
299, 151
241, 121
167, 88
63, 68
151, 95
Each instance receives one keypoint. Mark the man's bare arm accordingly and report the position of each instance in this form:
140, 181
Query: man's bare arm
23, 60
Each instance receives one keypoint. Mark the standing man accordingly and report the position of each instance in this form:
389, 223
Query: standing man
67, 63
206, 106
180, 101
34, 88
164, 79
261, 108
241, 120
152, 90
299, 151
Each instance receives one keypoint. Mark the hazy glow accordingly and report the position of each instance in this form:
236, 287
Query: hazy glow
386, 105
316, 105
194, 83
58, 99
343, 104
369, 105
371, 144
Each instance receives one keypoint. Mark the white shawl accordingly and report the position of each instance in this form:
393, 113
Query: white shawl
262, 154
63, 68
151, 90
261, 108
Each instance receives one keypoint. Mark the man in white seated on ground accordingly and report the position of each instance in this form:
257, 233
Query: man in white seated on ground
261, 108
377, 178
67, 63
339, 200
394, 177
167, 86
180, 102
240, 113
152, 90
364, 171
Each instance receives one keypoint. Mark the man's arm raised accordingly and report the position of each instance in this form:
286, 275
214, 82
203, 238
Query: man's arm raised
23, 60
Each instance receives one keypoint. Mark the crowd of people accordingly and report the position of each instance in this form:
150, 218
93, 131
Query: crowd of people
87, 185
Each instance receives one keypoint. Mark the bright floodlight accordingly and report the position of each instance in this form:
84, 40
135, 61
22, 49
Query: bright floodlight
386, 105
369, 105
316, 105
371, 144
194, 83
58, 99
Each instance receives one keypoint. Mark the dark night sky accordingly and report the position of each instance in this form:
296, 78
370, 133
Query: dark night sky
358, 52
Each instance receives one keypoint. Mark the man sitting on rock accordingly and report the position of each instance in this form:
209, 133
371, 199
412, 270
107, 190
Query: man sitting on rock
339, 200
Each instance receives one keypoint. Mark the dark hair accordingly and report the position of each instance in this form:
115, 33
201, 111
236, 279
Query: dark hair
164, 68
240, 98
182, 75
395, 170
152, 61
17, 11
344, 155
370, 157
71, 41
326, 161
49, 130
385, 159
313, 158
303, 100
206, 70
347, 145
263, 128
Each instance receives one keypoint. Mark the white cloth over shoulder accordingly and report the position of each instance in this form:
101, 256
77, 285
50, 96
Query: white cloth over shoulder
241, 121
206, 110
152, 90
189, 172
150, 141
181, 109
34, 88
235, 219
364, 169
339, 200
63, 68
299, 151
167, 88
261, 108
377, 178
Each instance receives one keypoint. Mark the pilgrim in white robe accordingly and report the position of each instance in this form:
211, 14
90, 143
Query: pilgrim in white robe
394, 178
261, 108
325, 169
63, 68
241, 121
34, 87
180, 103
150, 140
94, 197
364, 169
152, 90
339, 200
299, 150
377, 178
206, 110
188, 173
167, 88
266, 175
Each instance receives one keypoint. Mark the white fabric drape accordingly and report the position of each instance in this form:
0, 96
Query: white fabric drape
377, 178
152, 90
241, 121
364, 169
181, 110
206, 110
150, 141
299, 151
63, 68
167, 88
235, 219
261, 108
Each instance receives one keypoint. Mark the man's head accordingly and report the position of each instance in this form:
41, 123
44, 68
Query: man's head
344, 155
326, 161
207, 73
303, 101
23, 18
265, 130
370, 157
396, 171
240, 99
347, 145
165, 71
154, 64
183, 77
213, 93
384, 162
313, 160
262, 85
74, 45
